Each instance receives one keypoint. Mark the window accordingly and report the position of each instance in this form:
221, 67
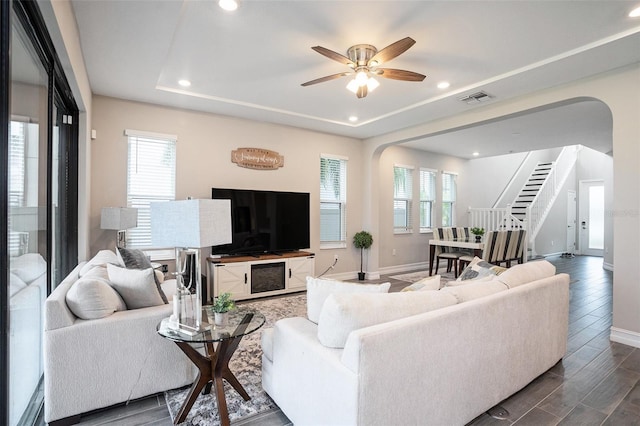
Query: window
402, 194
151, 176
333, 199
448, 199
427, 198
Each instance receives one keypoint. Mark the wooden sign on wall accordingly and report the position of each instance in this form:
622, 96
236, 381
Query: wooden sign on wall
257, 158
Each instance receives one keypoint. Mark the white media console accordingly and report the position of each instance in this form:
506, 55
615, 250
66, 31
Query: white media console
247, 277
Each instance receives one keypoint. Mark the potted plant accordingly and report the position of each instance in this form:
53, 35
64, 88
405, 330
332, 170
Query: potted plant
478, 232
221, 307
362, 240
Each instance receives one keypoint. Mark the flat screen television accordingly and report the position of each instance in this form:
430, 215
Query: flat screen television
265, 221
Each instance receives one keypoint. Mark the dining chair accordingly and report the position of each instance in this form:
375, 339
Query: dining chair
500, 247
451, 254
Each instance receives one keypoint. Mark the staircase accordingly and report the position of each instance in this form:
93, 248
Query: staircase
530, 190
534, 201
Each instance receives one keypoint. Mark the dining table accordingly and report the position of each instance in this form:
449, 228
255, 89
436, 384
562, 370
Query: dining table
465, 243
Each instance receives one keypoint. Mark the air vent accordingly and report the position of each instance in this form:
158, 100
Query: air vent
476, 98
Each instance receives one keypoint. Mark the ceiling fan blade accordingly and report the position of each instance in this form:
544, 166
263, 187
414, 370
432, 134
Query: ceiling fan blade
333, 55
327, 78
362, 91
400, 74
391, 51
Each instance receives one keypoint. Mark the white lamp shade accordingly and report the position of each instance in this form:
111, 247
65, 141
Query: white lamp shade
190, 223
118, 218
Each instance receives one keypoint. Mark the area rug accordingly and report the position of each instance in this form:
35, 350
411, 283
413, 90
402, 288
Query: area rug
246, 364
412, 277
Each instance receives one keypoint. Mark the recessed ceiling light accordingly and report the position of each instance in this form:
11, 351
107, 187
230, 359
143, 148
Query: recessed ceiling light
229, 5
443, 85
634, 13
353, 119
475, 154
184, 83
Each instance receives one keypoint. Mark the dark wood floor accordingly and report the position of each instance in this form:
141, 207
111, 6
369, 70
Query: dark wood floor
597, 383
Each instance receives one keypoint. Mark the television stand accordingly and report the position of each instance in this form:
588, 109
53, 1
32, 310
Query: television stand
252, 276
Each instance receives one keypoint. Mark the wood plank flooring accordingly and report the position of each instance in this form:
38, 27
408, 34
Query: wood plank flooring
597, 383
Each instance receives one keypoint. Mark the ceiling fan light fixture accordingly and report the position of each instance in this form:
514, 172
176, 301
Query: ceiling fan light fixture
372, 83
353, 86
228, 5
362, 78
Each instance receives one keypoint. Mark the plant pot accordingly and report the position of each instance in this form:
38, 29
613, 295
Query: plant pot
478, 238
221, 318
361, 276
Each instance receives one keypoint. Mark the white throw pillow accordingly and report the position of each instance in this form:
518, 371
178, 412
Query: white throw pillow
526, 273
319, 289
28, 267
474, 290
102, 258
137, 287
15, 284
91, 297
425, 284
343, 313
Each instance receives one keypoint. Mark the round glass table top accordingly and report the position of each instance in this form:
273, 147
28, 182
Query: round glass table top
240, 322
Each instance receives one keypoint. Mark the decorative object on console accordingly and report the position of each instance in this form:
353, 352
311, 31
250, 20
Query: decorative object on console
362, 240
221, 307
478, 232
119, 219
257, 158
189, 225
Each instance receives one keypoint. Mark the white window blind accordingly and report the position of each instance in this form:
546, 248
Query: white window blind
17, 173
151, 176
427, 198
333, 201
448, 199
402, 196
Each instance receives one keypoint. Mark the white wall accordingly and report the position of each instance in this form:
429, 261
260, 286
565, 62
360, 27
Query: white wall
203, 153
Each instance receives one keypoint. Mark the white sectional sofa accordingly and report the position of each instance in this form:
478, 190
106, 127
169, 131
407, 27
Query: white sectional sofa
96, 363
476, 344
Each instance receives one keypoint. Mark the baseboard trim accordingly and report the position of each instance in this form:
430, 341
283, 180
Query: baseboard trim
626, 337
387, 270
607, 266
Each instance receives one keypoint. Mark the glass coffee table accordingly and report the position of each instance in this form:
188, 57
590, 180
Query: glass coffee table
220, 342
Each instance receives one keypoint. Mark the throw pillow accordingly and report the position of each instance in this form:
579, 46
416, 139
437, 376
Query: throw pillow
136, 287
136, 259
526, 273
342, 313
28, 267
15, 284
479, 269
474, 290
425, 284
91, 297
102, 258
319, 289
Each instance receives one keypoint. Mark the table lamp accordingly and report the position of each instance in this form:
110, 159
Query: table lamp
119, 219
189, 225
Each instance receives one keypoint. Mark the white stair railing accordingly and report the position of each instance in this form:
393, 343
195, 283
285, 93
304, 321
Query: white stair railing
493, 219
539, 208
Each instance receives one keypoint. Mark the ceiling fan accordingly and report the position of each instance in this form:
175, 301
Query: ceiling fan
364, 59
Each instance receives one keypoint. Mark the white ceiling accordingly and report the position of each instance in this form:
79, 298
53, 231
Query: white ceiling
250, 63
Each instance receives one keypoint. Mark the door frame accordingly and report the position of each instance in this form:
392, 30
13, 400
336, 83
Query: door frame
582, 185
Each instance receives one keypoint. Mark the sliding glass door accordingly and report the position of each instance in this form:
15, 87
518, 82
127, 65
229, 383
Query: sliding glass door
38, 240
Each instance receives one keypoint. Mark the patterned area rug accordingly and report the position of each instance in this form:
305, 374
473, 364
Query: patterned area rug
412, 277
246, 364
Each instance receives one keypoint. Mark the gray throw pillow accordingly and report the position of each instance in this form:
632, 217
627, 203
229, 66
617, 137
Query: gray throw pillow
135, 286
136, 259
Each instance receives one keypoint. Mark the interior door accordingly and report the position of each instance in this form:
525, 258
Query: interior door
571, 221
592, 218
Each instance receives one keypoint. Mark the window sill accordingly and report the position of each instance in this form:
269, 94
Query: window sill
330, 246
402, 231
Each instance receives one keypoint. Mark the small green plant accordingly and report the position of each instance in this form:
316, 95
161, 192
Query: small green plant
477, 231
223, 303
362, 240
